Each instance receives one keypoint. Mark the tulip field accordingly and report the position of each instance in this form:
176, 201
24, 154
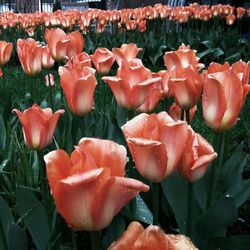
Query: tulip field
125, 129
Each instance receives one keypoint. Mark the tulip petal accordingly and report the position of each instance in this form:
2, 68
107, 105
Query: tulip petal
150, 158
214, 102
58, 166
105, 153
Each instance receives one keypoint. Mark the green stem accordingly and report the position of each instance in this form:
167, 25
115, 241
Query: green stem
187, 112
155, 196
182, 114
73, 239
218, 148
44, 185
95, 240
190, 209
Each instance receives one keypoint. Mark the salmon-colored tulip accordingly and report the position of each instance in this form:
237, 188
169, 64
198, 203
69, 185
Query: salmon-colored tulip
138, 238
38, 125
89, 187
1, 72
186, 85
62, 45
126, 52
103, 60
156, 143
197, 154
30, 55
230, 19
182, 58
47, 60
132, 84
224, 94
175, 112
78, 86
5, 52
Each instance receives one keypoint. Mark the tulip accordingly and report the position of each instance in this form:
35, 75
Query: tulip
197, 154
103, 60
5, 52
47, 60
126, 52
165, 76
62, 45
30, 55
156, 143
186, 86
78, 86
182, 58
224, 94
138, 238
38, 126
132, 84
89, 187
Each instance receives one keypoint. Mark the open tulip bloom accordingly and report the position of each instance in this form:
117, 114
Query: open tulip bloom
89, 187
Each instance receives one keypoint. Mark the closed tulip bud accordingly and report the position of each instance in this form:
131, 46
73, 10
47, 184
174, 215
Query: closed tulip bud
103, 60
5, 52
138, 238
38, 126
78, 86
156, 143
30, 55
89, 187
175, 112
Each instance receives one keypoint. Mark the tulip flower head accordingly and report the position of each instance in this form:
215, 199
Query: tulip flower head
62, 44
132, 84
5, 52
30, 55
38, 125
78, 85
89, 187
224, 94
103, 60
138, 238
156, 143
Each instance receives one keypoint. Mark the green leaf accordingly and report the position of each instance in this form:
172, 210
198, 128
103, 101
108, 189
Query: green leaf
215, 51
34, 216
2, 133
137, 209
175, 190
230, 180
17, 238
243, 194
3, 165
232, 58
217, 217
239, 242
6, 218
114, 231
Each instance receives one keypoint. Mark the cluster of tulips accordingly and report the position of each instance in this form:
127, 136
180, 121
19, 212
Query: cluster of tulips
127, 19
159, 143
